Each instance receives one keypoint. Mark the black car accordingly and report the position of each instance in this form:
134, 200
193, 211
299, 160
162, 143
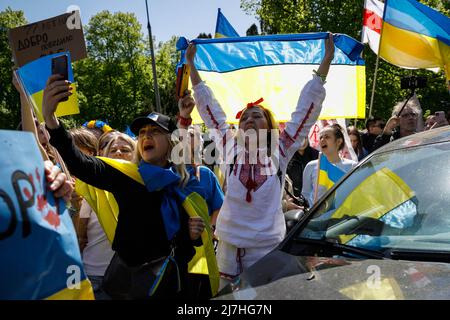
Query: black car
381, 232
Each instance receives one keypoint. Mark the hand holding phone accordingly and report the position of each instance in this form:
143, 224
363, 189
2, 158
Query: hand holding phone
60, 66
182, 80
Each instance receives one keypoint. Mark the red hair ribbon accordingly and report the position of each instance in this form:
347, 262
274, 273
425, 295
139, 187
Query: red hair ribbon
249, 105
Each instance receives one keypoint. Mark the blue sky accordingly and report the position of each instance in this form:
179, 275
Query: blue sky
167, 17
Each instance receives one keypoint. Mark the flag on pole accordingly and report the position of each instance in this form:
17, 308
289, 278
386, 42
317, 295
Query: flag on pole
415, 36
34, 76
223, 27
372, 21
329, 174
277, 67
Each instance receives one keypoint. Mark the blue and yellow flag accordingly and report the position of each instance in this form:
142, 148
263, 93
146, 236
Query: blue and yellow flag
329, 174
105, 206
39, 253
415, 36
277, 67
223, 27
34, 76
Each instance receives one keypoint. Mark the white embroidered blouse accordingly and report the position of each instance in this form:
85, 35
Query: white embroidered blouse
251, 215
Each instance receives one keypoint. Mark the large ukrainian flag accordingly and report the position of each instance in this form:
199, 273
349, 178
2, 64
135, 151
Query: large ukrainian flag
34, 76
223, 27
277, 67
415, 36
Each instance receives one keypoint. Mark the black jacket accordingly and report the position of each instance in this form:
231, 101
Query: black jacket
140, 234
297, 165
383, 139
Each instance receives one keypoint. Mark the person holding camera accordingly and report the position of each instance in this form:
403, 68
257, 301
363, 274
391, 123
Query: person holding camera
404, 122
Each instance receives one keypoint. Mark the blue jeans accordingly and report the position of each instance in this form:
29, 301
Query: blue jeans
96, 282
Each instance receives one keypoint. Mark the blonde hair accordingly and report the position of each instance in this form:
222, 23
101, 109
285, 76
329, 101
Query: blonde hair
413, 104
180, 168
114, 138
84, 138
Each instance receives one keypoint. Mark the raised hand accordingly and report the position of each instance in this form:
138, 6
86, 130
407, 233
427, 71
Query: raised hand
190, 53
186, 104
55, 90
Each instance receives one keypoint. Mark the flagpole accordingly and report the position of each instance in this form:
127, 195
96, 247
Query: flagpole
374, 82
155, 80
316, 191
378, 59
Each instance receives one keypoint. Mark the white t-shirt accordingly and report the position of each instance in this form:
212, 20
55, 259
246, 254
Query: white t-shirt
98, 253
310, 178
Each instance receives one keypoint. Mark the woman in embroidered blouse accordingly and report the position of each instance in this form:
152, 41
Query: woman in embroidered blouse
251, 222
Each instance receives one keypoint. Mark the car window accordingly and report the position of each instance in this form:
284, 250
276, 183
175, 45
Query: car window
399, 199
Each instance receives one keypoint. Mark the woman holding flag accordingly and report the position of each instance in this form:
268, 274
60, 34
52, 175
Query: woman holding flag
319, 175
251, 222
154, 238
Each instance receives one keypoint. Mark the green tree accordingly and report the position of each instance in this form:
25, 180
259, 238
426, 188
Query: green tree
9, 97
166, 60
114, 80
252, 31
339, 16
204, 35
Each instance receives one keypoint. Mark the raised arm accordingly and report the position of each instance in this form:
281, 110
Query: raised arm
207, 105
308, 108
89, 169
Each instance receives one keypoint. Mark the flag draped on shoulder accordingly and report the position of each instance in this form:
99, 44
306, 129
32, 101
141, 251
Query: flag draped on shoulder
415, 36
34, 76
39, 253
277, 67
329, 174
372, 22
223, 27
154, 178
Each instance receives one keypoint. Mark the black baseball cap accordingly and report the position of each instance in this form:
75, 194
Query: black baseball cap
155, 118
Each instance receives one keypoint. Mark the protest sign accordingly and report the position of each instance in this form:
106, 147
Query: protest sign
57, 34
38, 244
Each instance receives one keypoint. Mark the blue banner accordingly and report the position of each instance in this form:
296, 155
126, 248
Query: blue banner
39, 252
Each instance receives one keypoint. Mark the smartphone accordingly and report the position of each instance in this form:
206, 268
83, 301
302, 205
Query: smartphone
182, 80
60, 66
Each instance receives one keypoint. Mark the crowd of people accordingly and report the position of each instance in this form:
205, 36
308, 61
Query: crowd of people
160, 203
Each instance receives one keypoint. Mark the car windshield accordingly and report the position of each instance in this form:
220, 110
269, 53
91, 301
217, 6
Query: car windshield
398, 200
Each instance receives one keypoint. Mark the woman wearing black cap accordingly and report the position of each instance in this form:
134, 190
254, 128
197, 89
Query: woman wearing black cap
152, 223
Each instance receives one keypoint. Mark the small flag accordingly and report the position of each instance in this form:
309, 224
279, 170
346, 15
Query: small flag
329, 174
34, 76
223, 27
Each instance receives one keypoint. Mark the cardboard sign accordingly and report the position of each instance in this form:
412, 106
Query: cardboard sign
57, 34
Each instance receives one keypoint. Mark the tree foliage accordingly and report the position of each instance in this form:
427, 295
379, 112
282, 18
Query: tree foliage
9, 97
345, 16
114, 83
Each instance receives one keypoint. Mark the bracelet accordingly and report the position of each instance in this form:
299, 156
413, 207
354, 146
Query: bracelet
321, 76
186, 122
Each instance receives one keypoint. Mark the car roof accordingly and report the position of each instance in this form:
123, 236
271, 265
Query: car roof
422, 138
